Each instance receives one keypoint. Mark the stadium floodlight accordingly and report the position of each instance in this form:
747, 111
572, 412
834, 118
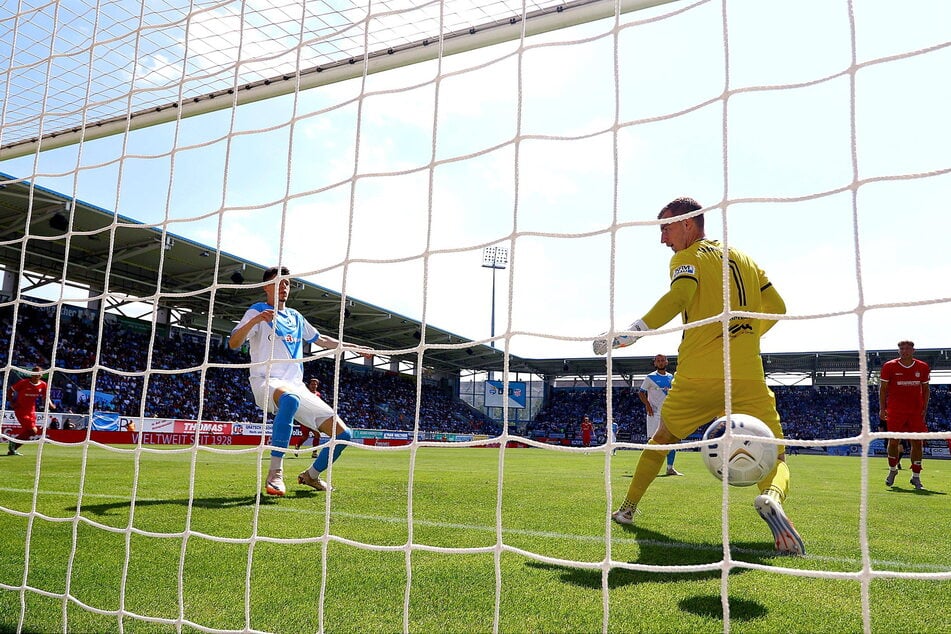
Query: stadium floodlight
494, 258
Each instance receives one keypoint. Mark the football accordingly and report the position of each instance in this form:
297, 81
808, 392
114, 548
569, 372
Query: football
749, 460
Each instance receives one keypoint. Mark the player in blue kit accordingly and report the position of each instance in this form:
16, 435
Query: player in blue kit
276, 335
652, 393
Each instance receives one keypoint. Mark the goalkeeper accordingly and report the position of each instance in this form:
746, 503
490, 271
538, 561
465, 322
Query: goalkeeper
276, 335
697, 394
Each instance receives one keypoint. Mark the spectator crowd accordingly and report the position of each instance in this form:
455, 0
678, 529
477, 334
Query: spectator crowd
123, 362
177, 383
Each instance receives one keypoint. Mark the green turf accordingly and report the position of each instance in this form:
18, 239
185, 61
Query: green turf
198, 546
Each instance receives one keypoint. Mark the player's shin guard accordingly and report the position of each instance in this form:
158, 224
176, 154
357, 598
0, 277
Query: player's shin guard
647, 468
323, 458
776, 482
283, 423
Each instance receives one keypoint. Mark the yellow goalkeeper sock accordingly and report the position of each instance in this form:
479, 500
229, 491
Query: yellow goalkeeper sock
647, 467
776, 483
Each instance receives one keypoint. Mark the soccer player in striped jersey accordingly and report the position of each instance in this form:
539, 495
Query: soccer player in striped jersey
276, 335
653, 393
697, 395
903, 394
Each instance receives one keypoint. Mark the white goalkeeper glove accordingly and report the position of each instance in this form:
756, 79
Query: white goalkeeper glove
600, 345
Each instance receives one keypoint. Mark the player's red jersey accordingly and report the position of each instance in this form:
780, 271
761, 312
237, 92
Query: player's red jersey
586, 429
26, 394
905, 385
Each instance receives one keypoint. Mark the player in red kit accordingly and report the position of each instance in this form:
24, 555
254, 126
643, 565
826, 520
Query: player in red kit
902, 404
586, 429
23, 395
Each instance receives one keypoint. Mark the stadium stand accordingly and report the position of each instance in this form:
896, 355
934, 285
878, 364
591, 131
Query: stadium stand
368, 398
809, 412
371, 399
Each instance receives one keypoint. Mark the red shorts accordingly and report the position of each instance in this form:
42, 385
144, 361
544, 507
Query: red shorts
27, 422
907, 422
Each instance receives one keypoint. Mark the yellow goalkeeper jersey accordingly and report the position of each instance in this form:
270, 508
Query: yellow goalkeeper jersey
701, 353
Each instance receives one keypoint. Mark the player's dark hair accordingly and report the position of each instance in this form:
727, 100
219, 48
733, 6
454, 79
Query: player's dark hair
681, 206
906, 342
272, 272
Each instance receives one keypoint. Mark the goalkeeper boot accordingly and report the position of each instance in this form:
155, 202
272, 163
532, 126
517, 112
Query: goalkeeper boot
916, 482
785, 536
624, 515
890, 478
274, 485
314, 483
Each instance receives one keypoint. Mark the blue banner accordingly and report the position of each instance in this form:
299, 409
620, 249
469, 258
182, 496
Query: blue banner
516, 395
105, 421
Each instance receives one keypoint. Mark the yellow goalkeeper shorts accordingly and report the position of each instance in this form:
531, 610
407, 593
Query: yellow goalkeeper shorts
695, 402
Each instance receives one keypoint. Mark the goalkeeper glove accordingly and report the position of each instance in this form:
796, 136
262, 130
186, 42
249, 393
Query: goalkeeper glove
600, 345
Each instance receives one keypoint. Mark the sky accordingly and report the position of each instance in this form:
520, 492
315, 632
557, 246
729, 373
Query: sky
563, 148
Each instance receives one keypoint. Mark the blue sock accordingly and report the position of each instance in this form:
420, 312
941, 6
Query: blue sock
321, 464
283, 422
670, 458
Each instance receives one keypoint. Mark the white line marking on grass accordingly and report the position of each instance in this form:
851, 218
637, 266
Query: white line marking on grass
616, 538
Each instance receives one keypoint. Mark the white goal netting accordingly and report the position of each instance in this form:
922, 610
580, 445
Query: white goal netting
154, 156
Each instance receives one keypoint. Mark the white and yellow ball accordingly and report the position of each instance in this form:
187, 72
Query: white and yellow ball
749, 460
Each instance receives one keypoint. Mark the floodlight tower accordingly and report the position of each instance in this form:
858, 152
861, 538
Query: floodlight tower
494, 258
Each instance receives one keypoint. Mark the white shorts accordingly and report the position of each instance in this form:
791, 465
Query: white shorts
312, 411
653, 423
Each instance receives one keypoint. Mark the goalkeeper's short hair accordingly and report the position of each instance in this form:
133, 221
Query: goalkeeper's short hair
681, 206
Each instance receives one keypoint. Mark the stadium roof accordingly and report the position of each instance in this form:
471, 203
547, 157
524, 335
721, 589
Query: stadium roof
87, 246
195, 280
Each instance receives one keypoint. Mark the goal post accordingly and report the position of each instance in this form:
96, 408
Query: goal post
22, 136
560, 150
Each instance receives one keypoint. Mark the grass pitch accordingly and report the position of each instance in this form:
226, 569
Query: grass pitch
179, 540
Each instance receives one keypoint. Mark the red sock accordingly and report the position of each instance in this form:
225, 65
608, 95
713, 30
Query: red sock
916, 467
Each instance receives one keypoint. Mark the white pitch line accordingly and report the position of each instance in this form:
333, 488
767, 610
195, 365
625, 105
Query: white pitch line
615, 539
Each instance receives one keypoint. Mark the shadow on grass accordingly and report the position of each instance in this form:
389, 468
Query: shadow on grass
661, 550
204, 503
657, 549
897, 489
711, 606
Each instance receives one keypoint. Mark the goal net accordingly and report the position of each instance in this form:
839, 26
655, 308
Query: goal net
156, 156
